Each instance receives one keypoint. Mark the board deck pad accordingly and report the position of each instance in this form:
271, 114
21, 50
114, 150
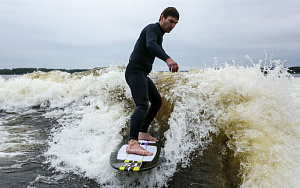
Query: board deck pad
122, 155
119, 159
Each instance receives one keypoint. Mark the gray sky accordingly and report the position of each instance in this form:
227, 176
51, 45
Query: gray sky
96, 33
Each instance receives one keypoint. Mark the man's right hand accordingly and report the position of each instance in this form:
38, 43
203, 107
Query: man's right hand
173, 66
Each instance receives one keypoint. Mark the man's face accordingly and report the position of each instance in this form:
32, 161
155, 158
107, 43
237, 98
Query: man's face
167, 24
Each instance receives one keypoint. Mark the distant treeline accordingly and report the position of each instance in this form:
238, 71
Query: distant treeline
292, 70
31, 70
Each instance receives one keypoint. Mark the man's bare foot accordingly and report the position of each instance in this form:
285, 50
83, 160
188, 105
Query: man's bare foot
135, 148
146, 136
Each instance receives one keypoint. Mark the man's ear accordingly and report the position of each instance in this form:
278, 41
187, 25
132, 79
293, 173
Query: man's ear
161, 17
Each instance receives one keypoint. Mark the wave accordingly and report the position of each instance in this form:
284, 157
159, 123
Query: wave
257, 115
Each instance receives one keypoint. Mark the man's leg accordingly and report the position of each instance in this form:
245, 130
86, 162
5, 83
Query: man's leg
156, 102
137, 82
139, 90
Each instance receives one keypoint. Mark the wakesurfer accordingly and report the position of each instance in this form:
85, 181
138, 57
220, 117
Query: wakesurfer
143, 90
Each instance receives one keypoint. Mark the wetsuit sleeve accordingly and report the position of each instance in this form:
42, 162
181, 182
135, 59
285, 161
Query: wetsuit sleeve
153, 47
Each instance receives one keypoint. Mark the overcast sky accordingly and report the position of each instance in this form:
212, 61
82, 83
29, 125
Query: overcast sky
96, 33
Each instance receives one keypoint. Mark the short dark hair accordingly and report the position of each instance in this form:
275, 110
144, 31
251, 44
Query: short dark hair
170, 11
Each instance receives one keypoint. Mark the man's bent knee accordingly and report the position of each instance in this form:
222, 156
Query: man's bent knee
142, 107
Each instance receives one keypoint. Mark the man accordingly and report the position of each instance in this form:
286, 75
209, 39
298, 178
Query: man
147, 47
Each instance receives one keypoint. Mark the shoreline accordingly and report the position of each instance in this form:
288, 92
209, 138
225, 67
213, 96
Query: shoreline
20, 71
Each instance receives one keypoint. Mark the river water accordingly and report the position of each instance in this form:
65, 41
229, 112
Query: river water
231, 127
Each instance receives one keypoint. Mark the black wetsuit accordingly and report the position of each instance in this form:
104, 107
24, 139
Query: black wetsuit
147, 47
